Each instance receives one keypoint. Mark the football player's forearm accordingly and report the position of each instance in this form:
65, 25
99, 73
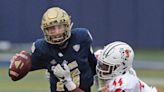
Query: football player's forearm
77, 90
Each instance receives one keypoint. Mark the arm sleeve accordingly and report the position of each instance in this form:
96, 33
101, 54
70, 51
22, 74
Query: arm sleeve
145, 88
38, 59
92, 59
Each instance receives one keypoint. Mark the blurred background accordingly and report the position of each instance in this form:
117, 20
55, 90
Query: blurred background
140, 23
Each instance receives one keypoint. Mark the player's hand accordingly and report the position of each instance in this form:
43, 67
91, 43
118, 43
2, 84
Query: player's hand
63, 74
21, 54
104, 89
20, 65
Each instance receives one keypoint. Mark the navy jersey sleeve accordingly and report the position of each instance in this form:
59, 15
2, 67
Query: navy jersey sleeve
38, 58
91, 57
92, 61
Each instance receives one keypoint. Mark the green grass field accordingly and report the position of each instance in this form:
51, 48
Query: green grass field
33, 82
36, 81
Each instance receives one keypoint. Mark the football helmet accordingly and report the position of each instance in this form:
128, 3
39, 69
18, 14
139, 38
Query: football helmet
56, 16
97, 53
115, 59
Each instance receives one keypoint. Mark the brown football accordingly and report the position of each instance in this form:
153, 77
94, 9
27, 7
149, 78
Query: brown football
20, 66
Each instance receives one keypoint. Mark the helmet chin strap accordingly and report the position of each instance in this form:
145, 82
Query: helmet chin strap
63, 45
71, 25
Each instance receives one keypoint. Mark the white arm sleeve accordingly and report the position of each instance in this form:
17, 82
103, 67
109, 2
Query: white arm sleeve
146, 88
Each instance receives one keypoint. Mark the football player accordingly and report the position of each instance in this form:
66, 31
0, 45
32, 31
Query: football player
115, 72
63, 46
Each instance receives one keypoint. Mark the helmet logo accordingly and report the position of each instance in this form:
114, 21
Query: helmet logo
124, 53
127, 53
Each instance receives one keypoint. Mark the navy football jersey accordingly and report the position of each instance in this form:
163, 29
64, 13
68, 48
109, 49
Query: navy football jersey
78, 55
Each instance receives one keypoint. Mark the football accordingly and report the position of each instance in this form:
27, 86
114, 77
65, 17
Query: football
20, 65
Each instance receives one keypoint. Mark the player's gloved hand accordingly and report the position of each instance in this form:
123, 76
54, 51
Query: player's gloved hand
105, 89
63, 74
22, 54
47, 74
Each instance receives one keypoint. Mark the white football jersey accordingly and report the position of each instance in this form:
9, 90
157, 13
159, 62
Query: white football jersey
146, 88
128, 82
124, 83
